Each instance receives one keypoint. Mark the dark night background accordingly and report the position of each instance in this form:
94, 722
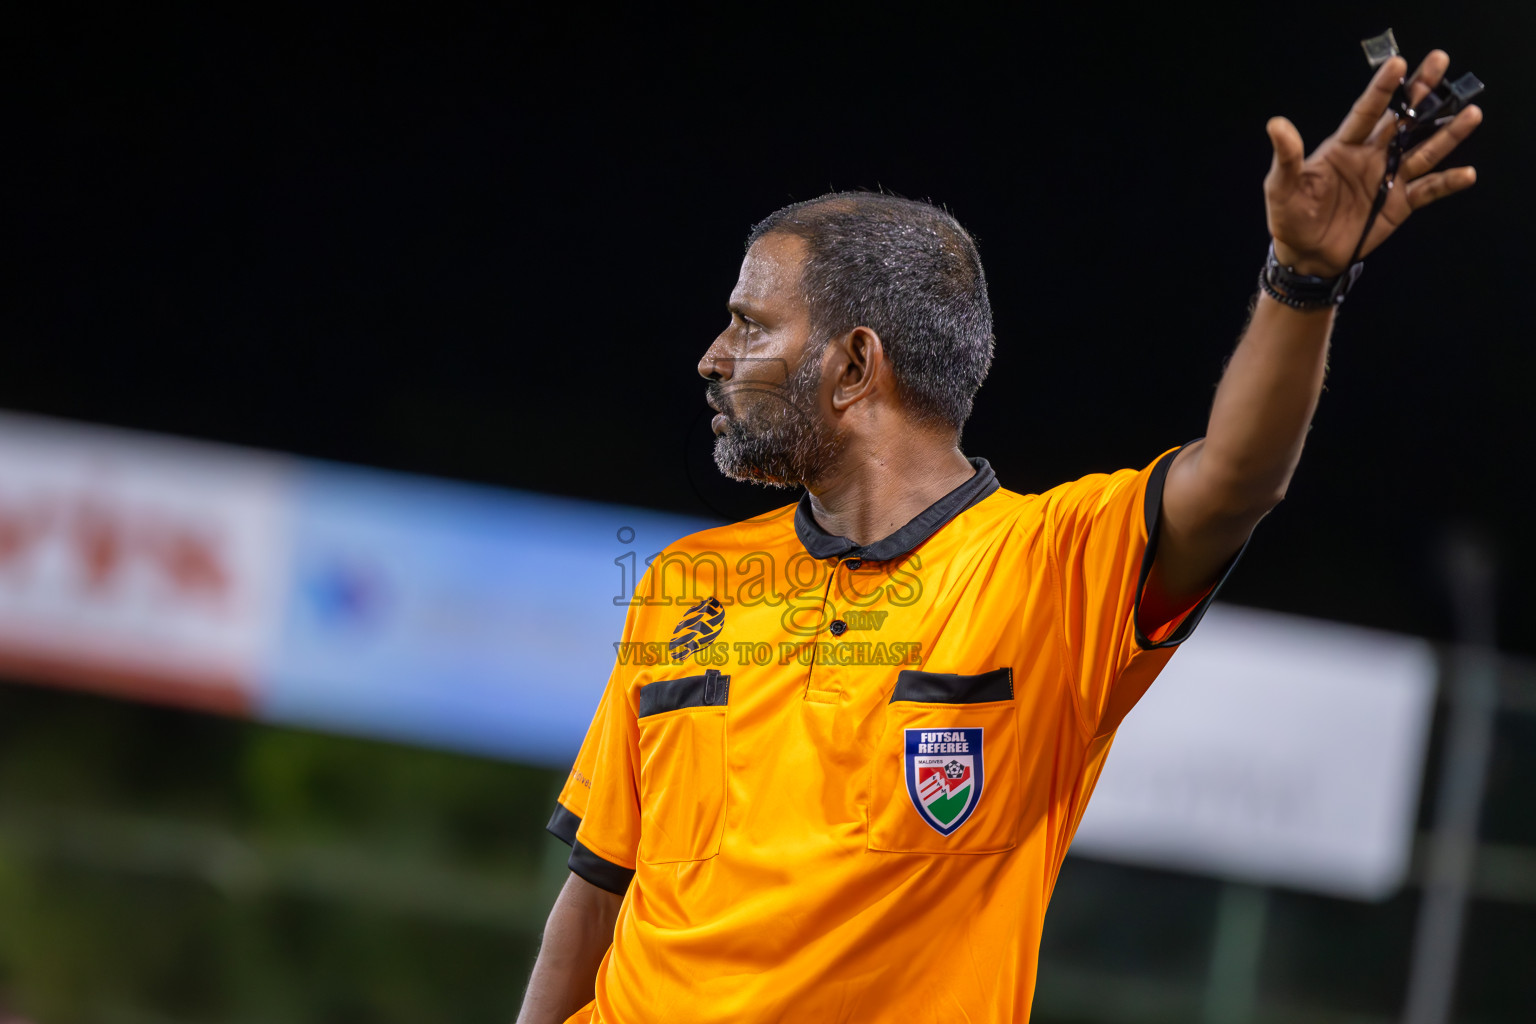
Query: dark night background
492, 247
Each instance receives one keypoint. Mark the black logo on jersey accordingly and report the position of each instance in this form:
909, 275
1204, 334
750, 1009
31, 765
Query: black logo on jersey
699, 628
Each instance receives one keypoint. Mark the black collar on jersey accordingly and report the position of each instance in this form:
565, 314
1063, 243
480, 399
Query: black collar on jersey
821, 544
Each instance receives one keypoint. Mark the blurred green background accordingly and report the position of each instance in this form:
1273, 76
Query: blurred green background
165, 866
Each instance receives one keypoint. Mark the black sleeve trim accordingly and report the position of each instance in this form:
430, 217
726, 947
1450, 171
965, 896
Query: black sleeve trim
943, 688
563, 825
708, 690
1154, 511
604, 874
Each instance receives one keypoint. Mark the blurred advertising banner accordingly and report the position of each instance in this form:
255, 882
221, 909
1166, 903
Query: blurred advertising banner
452, 615
1276, 750
312, 594
147, 567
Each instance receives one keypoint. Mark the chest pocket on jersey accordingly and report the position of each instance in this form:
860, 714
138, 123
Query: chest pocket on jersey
945, 774
682, 767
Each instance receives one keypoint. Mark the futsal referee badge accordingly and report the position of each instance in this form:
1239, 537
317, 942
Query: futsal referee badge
944, 770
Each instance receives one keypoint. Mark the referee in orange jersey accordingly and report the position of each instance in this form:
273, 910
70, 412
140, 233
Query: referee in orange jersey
845, 745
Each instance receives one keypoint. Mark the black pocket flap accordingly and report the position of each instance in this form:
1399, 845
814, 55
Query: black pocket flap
708, 690
942, 688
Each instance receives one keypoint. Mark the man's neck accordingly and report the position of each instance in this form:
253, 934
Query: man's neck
878, 490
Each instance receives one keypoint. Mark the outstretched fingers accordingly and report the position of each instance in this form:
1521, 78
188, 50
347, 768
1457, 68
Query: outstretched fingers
1356, 126
1428, 75
1423, 157
1423, 191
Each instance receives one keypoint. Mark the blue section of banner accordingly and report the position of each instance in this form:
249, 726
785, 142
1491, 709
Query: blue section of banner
453, 615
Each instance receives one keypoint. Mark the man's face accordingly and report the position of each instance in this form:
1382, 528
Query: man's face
765, 375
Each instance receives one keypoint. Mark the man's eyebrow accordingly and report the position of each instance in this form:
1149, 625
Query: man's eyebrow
740, 309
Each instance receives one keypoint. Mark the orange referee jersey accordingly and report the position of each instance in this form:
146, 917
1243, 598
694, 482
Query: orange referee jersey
837, 783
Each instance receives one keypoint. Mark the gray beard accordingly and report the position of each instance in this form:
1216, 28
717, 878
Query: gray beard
782, 442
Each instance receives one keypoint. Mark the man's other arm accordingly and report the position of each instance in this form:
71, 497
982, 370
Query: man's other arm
1218, 489
576, 937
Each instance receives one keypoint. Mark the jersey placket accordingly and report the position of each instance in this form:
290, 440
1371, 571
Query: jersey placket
825, 684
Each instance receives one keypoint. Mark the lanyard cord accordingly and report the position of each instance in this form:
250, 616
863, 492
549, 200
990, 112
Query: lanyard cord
1394, 157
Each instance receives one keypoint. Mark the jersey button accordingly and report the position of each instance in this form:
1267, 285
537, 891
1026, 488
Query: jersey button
839, 627
855, 563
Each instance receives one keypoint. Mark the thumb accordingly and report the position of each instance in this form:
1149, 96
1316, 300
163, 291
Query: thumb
1286, 167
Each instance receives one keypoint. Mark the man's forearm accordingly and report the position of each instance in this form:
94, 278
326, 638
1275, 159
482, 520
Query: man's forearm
576, 937
1219, 489
1264, 407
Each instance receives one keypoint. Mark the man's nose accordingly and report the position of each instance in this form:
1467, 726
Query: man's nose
716, 364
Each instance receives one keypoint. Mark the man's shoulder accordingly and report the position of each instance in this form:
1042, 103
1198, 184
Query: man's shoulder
1003, 504
1028, 511
762, 531
1092, 484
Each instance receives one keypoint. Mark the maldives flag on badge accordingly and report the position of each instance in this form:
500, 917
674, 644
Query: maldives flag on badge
944, 775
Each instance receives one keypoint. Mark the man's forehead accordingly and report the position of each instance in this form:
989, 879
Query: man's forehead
770, 270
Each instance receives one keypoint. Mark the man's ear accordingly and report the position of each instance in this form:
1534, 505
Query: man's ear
858, 365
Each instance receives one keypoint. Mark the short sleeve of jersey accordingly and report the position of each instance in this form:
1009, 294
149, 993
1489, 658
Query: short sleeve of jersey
1102, 530
571, 805
598, 810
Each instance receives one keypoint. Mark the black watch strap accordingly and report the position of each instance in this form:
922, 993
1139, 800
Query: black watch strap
1304, 291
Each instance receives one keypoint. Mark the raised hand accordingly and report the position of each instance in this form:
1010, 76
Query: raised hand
1318, 206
